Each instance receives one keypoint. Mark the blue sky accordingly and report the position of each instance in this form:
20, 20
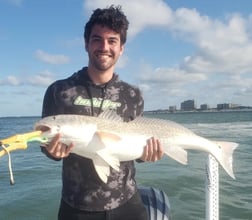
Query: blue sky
176, 50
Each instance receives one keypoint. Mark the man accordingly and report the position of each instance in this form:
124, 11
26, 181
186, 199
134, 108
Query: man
90, 91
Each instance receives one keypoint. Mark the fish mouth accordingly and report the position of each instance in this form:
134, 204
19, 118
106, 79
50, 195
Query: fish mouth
43, 128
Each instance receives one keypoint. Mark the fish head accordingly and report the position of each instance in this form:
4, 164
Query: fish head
49, 127
70, 129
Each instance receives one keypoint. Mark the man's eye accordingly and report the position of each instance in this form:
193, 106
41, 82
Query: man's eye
113, 42
95, 39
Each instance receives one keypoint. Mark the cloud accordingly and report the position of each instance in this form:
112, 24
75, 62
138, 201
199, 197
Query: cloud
175, 85
14, 2
122, 62
51, 59
141, 13
171, 76
42, 79
73, 43
221, 46
11, 81
219, 63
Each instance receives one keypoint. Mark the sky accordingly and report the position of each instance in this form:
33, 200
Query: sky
176, 50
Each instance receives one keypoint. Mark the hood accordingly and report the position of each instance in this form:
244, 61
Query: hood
83, 78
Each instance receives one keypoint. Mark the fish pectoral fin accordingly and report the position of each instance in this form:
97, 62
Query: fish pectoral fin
102, 168
107, 137
110, 160
177, 153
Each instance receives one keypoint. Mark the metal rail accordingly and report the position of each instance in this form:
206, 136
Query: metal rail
212, 188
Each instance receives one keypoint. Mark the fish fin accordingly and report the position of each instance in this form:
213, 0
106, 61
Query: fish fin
112, 161
110, 115
107, 137
102, 168
226, 157
177, 153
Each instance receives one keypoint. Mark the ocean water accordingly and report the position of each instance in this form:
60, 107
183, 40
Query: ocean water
36, 193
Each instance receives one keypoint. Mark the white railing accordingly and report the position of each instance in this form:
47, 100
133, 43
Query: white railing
212, 188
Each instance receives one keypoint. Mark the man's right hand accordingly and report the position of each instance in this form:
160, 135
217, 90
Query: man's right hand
57, 149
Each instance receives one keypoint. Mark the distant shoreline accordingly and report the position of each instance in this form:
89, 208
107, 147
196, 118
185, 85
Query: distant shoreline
166, 111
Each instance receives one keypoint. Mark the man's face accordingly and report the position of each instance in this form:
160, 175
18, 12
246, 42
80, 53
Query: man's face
104, 48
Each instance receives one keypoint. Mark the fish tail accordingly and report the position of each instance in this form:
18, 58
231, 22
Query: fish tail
177, 153
226, 156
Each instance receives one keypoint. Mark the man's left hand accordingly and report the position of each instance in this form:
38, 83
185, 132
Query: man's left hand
153, 150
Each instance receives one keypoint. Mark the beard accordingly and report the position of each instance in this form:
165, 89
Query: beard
104, 65
103, 61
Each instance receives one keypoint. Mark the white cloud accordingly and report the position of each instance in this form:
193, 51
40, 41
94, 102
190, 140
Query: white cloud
220, 64
175, 85
73, 43
51, 58
169, 76
221, 46
43, 78
122, 62
12, 80
141, 13
14, 2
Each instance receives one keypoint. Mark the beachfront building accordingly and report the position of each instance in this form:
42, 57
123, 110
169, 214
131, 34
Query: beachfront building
188, 105
204, 107
225, 106
172, 108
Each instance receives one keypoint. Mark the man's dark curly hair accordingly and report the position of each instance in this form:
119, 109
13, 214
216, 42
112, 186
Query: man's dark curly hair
111, 17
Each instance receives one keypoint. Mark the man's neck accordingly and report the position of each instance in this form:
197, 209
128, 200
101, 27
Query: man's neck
100, 77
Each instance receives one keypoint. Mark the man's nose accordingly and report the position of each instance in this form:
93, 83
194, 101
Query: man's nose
104, 45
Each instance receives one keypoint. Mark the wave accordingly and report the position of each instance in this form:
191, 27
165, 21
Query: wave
234, 130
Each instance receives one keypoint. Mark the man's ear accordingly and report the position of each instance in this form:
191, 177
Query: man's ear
122, 49
86, 45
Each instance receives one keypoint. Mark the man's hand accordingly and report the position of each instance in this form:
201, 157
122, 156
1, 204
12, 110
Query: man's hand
153, 150
57, 149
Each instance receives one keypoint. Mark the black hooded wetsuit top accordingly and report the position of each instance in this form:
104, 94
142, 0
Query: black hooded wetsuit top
82, 188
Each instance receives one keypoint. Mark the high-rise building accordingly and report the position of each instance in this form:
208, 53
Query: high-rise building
204, 107
172, 108
226, 106
188, 105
